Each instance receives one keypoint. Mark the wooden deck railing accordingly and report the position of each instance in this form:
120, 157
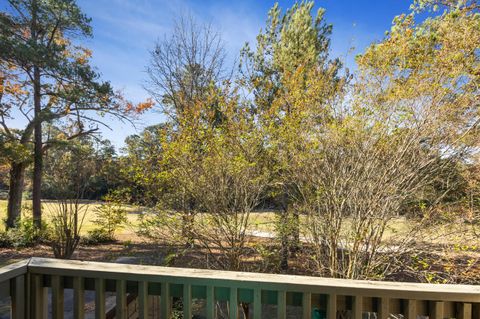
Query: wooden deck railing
36, 288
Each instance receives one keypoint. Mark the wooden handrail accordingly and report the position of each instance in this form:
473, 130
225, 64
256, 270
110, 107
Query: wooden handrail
204, 277
14, 270
28, 283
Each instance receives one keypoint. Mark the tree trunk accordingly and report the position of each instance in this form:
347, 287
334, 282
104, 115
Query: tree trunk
295, 231
187, 228
14, 207
284, 232
38, 153
284, 241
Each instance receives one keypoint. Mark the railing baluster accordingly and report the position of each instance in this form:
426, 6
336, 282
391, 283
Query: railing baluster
465, 311
57, 297
121, 299
307, 305
6, 287
233, 303
257, 303
282, 305
143, 299
25, 286
165, 303
332, 306
384, 308
187, 301
18, 298
210, 302
412, 309
40, 298
99, 298
357, 307
438, 310
78, 298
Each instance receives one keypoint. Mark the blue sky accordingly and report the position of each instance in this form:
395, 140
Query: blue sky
125, 30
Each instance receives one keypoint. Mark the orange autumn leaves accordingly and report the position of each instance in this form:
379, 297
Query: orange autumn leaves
10, 84
139, 108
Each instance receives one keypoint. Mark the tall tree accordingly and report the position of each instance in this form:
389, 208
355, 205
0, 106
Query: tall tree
413, 119
36, 37
95, 154
291, 56
142, 165
183, 72
183, 66
16, 146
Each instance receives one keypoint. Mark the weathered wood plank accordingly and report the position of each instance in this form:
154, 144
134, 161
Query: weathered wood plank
357, 307
57, 297
233, 303
307, 305
210, 302
384, 308
5, 289
121, 299
465, 295
257, 303
282, 304
143, 299
411, 309
18, 298
465, 311
13, 270
28, 292
99, 298
332, 306
166, 307
78, 298
438, 310
187, 301
39, 294
201, 277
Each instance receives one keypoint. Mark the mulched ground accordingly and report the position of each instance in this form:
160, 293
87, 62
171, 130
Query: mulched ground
437, 266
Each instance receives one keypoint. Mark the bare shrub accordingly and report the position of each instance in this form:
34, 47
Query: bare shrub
67, 218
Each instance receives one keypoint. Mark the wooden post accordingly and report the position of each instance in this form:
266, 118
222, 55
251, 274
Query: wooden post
257, 303
210, 302
233, 303
78, 298
281, 304
57, 297
384, 308
357, 307
165, 303
307, 305
39, 298
465, 311
121, 299
187, 301
143, 299
18, 297
99, 298
412, 309
332, 306
438, 310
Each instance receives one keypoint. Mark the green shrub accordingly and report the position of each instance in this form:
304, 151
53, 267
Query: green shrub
110, 217
24, 234
5, 240
96, 237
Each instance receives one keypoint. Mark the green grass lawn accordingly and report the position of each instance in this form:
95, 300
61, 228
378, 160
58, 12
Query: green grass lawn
264, 222
89, 207
261, 221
